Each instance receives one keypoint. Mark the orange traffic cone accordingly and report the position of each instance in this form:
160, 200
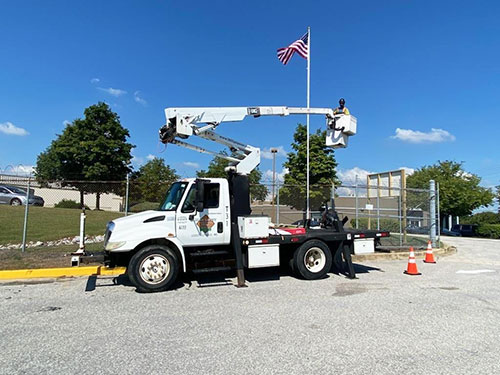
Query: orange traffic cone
412, 265
429, 256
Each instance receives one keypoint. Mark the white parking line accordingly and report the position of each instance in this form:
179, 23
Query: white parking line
473, 272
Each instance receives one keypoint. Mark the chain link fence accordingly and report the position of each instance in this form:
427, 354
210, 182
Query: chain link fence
53, 216
403, 212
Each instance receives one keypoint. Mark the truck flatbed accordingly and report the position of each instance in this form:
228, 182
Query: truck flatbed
326, 235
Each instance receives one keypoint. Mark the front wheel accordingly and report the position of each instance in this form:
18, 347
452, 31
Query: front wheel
153, 269
15, 202
312, 260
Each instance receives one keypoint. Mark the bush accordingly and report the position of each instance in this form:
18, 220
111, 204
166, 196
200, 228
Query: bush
489, 230
482, 218
68, 203
144, 206
390, 225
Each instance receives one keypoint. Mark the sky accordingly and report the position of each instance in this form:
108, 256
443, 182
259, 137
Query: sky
422, 77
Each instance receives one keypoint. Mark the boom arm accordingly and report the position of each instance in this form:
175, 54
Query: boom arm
184, 122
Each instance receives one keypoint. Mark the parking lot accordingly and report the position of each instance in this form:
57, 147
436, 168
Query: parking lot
444, 321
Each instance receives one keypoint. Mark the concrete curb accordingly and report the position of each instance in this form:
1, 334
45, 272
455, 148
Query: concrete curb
420, 254
51, 273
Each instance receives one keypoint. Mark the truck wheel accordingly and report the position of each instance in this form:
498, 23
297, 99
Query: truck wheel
312, 260
153, 269
15, 202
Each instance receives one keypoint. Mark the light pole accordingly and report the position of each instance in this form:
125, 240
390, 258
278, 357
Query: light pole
274, 151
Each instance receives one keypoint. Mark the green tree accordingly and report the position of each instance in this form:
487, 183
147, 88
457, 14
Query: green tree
151, 181
321, 170
459, 191
94, 148
216, 170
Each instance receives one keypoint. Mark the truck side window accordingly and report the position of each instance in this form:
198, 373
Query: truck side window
189, 203
211, 196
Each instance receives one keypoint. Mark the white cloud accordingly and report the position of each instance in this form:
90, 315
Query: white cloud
10, 129
66, 122
137, 161
267, 154
416, 136
150, 157
267, 176
19, 170
191, 164
409, 171
95, 80
112, 91
138, 99
348, 176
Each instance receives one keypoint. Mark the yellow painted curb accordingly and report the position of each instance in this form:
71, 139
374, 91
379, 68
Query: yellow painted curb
43, 273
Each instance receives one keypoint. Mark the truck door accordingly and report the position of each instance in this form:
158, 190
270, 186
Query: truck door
207, 227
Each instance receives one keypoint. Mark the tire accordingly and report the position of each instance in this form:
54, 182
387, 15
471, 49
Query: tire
312, 260
15, 202
153, 269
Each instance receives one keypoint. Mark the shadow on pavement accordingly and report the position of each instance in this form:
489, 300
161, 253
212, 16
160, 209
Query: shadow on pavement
222, 279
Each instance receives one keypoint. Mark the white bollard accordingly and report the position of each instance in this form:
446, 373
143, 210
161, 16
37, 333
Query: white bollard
82, 231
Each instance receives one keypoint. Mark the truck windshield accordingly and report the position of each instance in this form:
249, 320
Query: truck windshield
174, 195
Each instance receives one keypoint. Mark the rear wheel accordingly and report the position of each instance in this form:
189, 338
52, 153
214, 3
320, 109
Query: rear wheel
15, 202
312, 260
153, 269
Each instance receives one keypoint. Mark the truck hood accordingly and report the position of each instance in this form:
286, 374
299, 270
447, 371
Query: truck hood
143, 226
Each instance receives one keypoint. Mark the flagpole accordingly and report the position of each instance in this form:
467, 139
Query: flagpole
308, 212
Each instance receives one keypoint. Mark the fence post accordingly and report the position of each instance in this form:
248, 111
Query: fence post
278, 203
400, 217
378, 207
438, 216
332, 197
356, 195
432, 211
126, 195
403, 193
25, 228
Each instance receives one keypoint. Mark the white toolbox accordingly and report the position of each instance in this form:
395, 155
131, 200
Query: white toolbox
364, 246
253, 226
263, 256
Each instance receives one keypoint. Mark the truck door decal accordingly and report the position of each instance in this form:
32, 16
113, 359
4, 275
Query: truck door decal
205, 224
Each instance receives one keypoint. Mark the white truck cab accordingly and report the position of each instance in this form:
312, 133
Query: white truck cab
186, 218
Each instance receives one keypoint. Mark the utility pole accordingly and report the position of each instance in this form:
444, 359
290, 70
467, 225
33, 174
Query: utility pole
274, 151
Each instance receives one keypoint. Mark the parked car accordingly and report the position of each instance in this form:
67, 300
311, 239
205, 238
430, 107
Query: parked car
447, 232
465, 230
417, 230
16, 196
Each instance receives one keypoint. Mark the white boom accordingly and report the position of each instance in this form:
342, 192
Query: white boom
184, 122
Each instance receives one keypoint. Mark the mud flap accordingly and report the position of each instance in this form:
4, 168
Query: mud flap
342, 260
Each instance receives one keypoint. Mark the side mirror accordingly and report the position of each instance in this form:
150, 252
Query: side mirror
200, 195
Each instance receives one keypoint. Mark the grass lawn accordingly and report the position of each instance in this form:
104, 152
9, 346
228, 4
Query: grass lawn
41, 257
45, 224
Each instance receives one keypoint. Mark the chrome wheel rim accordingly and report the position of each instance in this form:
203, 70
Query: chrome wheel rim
314, 259
154, 269
15, 202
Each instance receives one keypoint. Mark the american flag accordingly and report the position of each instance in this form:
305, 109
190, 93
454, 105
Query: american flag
300, 46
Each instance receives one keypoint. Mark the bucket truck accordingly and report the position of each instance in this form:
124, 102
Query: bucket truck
205, 224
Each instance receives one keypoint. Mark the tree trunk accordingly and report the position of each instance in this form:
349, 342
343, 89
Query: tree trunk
82, 203
97, 201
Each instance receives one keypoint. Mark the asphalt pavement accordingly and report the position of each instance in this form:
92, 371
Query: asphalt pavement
445, 321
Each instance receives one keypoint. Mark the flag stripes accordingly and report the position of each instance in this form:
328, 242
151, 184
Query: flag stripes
300, 46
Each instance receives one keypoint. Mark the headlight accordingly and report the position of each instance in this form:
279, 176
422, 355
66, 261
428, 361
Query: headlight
114, 245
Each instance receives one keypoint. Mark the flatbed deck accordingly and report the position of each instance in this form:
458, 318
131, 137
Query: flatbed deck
326, 235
